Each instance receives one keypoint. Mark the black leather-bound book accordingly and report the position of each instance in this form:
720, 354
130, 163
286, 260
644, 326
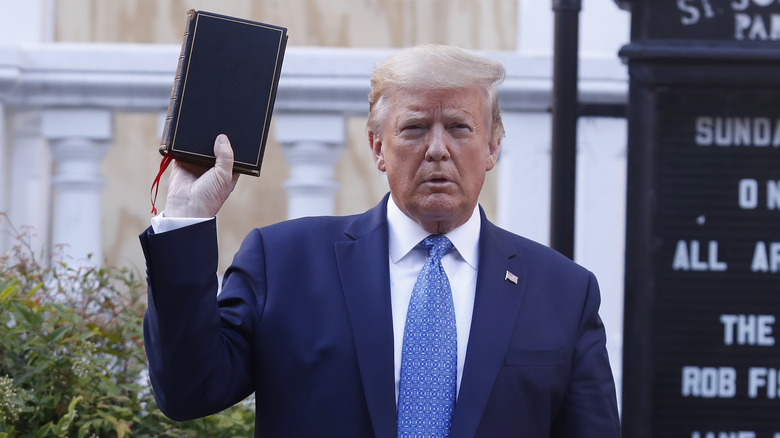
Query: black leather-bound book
225, 83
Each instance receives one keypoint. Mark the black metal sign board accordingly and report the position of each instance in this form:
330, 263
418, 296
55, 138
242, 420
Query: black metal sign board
718, 20
715, 344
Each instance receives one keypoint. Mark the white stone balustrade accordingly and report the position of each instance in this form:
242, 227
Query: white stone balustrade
318, 89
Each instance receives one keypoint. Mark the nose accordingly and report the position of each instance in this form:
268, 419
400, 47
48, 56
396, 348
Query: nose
437, 148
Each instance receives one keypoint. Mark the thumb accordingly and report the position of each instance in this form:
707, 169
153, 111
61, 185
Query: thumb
224, 153
223, 167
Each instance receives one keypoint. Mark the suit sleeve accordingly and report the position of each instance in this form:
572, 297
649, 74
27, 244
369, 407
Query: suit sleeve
199, 346
590, 406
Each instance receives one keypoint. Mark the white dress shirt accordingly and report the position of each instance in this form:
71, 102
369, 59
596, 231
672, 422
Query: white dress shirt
406, 262
161, 223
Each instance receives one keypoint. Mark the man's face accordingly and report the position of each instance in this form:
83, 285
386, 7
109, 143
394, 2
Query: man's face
436, 146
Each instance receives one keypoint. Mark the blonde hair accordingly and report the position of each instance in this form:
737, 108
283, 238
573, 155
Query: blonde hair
434, 67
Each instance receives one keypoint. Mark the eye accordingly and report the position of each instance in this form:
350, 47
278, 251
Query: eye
412, 130
460, 123
460, 129
411, 127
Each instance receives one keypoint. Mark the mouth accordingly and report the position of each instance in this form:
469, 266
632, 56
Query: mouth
438, 182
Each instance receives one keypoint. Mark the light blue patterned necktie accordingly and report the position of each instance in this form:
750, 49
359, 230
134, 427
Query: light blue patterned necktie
429, 358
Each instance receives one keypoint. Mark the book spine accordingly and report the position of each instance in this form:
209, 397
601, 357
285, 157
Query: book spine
175, 102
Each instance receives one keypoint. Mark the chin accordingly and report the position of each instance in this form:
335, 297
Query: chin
440, 201
441, 206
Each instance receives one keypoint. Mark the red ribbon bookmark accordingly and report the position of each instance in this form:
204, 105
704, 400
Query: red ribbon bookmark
166, 160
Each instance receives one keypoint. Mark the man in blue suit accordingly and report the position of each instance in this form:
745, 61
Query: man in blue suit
324, 319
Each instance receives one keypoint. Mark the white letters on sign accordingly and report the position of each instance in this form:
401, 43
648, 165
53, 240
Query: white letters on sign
688, 257
766, 257
709, 382
740, 434
748, 329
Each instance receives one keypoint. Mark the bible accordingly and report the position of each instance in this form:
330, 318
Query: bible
225, 83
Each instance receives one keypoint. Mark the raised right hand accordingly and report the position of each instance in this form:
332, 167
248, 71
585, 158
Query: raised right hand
199, 191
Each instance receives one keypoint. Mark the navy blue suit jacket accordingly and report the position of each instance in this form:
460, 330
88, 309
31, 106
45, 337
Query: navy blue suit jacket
304, 321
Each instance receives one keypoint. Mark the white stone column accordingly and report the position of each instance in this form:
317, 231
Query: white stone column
30, 176
312, 144
79, 139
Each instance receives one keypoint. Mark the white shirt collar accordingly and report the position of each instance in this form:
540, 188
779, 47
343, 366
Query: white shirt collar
405, 234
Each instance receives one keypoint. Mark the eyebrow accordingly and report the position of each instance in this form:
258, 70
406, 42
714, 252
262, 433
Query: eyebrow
447, 114
459, 114
411, 116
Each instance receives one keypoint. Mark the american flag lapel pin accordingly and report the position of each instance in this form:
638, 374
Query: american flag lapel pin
511, 277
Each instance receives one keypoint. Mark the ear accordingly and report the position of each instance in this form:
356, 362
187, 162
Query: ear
375, 142
494, 148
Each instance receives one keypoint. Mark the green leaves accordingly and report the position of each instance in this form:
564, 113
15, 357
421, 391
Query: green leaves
71, 356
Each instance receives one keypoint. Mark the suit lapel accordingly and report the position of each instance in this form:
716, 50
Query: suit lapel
496, 307
363, 268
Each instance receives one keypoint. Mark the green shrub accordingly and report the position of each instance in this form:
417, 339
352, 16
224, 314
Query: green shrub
71, 356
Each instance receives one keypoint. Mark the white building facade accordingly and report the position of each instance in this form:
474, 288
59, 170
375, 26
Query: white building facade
59, 103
